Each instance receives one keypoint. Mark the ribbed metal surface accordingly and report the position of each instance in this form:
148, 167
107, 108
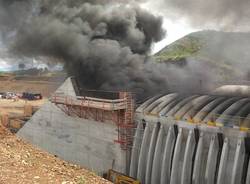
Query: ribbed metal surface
198, 108
198, 155
179, 145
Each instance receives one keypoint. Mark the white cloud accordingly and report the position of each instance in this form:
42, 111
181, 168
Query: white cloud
175, 29
4, 66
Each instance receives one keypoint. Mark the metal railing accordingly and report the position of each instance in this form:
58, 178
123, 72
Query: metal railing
90, 102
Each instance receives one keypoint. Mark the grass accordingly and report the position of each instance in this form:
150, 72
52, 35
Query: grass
199, 46
183, 48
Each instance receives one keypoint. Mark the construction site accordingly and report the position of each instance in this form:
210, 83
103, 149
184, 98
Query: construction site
172, 138
124, 92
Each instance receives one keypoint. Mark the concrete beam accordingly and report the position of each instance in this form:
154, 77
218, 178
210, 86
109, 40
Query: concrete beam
143, 154
238, 162
156, 170
198, 159
136, 150
151, 152
248, 174
223, 162
176, 158
167, 156
188, 156
211, 161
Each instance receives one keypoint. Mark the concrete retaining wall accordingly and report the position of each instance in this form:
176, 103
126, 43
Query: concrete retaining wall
88, 143
185, 153
81, 141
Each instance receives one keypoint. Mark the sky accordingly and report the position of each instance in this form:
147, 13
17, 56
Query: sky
4, 66
175, 29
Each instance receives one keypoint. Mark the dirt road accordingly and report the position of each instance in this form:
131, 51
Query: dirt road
16, 108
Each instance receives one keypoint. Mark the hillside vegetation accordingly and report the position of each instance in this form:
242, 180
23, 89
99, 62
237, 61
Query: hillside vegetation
224, 52
185, 47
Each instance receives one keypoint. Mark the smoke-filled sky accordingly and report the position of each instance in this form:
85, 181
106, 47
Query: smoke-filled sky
230, 15
176, 29
106, 43
179, 18
183, 17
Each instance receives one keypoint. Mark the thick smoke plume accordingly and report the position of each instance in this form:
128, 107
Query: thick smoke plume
103, 43
229, 15
13, 14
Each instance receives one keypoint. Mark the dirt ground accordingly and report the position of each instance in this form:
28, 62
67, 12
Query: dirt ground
21, 163
16, 108
33, 84
45, 85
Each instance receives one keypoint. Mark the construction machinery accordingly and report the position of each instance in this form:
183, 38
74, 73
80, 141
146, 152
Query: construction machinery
119, 178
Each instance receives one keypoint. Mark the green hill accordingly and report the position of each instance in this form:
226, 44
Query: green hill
226, 53
185, 47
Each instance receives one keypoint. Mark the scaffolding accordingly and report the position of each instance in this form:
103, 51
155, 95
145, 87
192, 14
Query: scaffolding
116, 111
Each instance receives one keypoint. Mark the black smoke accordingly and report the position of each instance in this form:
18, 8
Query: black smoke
105, 44
13, 14
226, 15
